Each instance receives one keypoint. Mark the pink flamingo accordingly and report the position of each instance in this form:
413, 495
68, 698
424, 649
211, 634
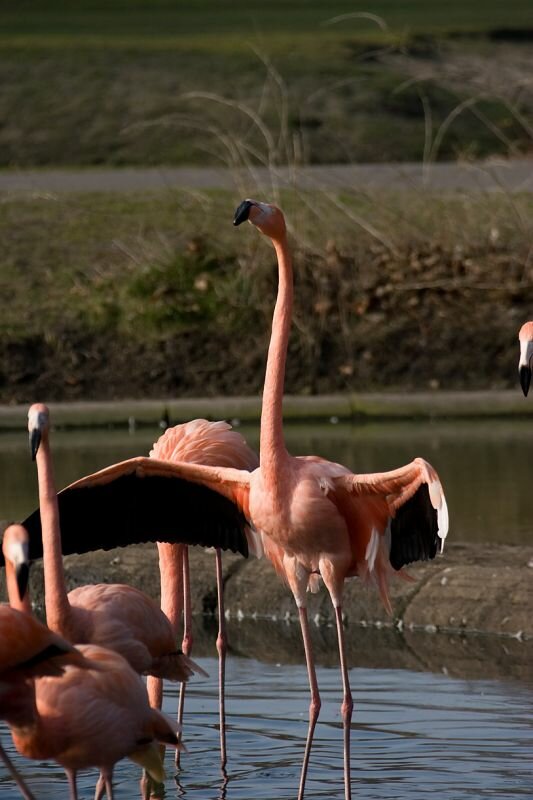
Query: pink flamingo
316, 518
212, 444
88, 707
115, 616
28, 648
525, 337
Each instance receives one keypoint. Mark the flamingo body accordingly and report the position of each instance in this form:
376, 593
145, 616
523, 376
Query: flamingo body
126, 620
89, 718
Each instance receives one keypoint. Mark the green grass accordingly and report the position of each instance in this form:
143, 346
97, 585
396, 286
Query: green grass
114, 296
88, 83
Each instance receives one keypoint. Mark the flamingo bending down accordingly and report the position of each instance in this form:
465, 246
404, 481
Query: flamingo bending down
525, 365
316, 518
115, 616
212, 444
88, 707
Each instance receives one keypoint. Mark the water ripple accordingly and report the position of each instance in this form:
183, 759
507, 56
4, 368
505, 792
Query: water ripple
413, 734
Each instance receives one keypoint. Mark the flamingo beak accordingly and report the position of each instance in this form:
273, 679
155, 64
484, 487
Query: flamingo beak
243, 212
525, 379
35, 441
22, 574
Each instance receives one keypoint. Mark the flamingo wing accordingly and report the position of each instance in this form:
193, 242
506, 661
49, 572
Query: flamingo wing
416, 506
149, 500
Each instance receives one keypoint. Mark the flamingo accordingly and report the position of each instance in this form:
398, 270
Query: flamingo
27, 647
315, 519
197, 442
87, 708
115, 616
525, 337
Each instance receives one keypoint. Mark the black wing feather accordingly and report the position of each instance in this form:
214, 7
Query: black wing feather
414, 530
133, 509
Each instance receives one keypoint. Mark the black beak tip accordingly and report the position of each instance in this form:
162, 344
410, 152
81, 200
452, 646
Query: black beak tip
242, 213
525, 379
22, 575
35, 441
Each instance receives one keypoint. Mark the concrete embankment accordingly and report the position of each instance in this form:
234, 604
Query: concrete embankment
468, 613
337, 407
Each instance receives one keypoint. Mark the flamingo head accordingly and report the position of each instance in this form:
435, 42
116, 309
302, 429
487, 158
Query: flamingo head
38, 425
525, 337
266, 218
16, 550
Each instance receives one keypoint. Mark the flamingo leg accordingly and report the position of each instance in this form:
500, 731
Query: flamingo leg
73, 788
347, 703
108, 780
145, 785
104, 783
99, 789
314, 706
222, 646
16, 775
187, 642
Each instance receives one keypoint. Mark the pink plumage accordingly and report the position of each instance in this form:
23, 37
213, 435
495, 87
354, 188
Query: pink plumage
116, 616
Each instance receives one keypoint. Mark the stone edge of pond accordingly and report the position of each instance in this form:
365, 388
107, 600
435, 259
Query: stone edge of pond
330, 408
471, 589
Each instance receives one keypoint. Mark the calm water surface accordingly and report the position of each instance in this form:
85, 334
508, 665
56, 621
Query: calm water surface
415, 733
485, 466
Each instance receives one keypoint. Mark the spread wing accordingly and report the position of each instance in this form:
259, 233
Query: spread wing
148, 500
417, 510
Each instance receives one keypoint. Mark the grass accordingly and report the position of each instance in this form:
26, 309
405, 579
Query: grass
158, 294
91, 83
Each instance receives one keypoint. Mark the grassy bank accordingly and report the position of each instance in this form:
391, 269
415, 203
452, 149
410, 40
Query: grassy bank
158, 295
169, 83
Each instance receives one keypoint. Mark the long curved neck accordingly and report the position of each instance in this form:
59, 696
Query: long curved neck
13, 596
273, 453
56, 600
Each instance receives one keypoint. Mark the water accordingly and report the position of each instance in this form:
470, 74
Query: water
485, 466
457, 721
414, 734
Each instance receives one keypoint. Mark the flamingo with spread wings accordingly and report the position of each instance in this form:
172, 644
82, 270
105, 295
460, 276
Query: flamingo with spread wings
315, 519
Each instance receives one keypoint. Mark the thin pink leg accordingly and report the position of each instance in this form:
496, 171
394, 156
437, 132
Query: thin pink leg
104, 783
73, 788
100, 788
314, 706
154, 687
222, 646
347, 704
145, 786
186, 644
16, 775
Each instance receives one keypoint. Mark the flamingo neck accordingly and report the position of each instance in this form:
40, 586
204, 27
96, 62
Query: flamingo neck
273, 453
13, 592
56, 600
